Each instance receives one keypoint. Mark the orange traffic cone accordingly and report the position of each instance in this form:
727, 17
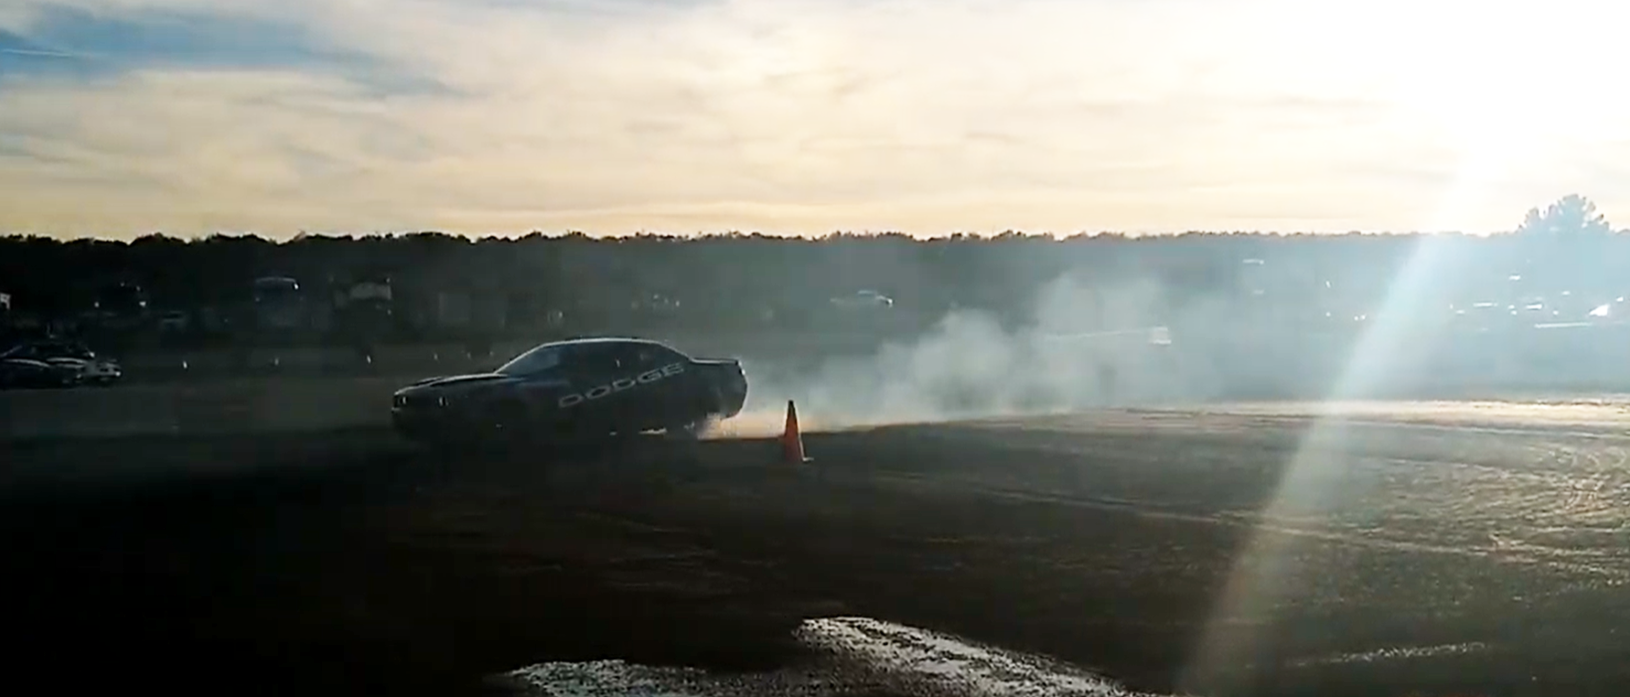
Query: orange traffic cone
792, 442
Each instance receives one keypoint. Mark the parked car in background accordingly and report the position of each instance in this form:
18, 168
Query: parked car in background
24, 373
72, 361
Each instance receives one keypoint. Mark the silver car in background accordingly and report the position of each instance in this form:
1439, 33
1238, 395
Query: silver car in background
70, 361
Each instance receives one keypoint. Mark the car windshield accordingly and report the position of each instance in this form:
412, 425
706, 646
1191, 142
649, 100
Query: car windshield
535, 361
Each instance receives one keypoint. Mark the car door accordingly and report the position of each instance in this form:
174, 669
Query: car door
544, 379
599, 394
661, 394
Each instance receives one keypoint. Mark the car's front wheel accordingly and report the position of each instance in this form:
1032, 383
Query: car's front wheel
504, 423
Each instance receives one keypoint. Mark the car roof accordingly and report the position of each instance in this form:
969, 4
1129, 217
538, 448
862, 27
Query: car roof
601, 340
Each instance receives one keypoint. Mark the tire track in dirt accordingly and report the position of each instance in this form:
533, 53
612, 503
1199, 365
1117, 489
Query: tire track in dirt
1145, 510
1525, 493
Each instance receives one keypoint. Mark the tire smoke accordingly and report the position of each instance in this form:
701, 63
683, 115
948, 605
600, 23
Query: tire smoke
1078, 348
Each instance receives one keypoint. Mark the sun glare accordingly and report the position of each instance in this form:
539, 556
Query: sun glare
1522, 74
1500, 76
1503, 82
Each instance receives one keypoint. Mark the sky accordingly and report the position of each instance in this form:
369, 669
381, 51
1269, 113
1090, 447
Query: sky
123, 117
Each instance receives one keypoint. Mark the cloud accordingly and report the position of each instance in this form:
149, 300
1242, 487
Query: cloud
781, 115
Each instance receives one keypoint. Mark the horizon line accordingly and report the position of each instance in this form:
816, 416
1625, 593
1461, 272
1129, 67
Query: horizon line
700, 235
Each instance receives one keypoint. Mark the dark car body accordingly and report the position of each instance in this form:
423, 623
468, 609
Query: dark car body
27, 373
72, 361
581, 388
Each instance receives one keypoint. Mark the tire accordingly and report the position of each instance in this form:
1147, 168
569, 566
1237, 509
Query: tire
503, 425
711, 406
683, 432
442, 446
505, 414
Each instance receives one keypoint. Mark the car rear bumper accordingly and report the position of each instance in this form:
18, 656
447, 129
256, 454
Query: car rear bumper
733, 398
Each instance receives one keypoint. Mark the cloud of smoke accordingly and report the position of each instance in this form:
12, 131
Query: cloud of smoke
1079, 347
1429, 330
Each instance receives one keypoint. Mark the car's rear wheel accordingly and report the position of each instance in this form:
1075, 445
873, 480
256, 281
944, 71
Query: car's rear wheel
692, 430
685, 432
710, 406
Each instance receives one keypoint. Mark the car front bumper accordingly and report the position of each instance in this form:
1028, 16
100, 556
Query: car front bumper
420, 425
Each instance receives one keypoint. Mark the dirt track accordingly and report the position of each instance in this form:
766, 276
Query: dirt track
1218, 554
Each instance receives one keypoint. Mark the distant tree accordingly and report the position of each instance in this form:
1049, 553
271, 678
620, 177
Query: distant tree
1572, 216
1565, 244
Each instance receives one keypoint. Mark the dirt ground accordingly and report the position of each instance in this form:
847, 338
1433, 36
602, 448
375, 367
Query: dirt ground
1219, 554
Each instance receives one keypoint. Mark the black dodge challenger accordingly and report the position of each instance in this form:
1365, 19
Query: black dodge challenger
574, 389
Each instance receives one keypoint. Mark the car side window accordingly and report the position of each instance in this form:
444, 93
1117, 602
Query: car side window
592, 359
662, 356
538, 361
634, 357
643, 357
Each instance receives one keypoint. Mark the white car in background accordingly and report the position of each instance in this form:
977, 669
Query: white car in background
71, 357
864, 300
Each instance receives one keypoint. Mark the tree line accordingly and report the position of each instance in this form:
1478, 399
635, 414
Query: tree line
742, 274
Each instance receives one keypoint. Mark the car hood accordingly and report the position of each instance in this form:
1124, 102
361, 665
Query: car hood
470, 380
